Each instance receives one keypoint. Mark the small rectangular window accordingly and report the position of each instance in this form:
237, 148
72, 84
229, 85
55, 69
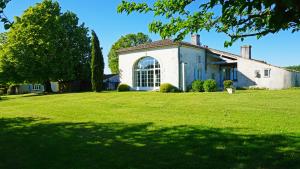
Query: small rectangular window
199, 74
235, 74
199, 59
36, 87
267, 72
257, 74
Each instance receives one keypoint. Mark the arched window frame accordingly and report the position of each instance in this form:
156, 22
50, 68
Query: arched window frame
147, 73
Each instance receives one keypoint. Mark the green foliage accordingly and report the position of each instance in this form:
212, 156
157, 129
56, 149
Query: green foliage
227, 84
123, 88
197, 86
126, 41
3, 18
45, 44
3, 91
210, 85
257, 88
294, 68
167, 88
237, 19
97, 64
3, 39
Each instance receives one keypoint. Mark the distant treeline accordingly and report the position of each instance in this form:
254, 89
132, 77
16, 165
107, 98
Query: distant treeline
296, 67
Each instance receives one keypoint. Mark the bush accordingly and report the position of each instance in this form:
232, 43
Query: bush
210, 85
123, 88
227, 84
3, 91
74, 86
257, 88
168, 88
197, 86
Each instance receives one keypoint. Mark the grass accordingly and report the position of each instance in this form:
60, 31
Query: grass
146, 130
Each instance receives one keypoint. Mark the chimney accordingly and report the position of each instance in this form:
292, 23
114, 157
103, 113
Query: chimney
246, 51
196, 39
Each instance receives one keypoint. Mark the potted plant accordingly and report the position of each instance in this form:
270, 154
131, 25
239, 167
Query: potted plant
231, 90
228, 85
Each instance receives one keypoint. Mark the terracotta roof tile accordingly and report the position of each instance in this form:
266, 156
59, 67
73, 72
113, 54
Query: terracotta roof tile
169, 42
157, 44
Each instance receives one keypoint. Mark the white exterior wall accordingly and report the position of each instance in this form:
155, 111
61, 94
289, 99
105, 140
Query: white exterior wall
279, 78
28, 88
55, 87
167, 58
23, 89
191, 57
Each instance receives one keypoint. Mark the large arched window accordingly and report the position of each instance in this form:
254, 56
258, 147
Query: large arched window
147, 72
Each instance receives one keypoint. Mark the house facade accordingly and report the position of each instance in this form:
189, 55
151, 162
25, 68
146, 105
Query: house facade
146, 66
35, 88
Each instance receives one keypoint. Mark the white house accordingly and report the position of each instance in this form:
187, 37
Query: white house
146, 66
35, 88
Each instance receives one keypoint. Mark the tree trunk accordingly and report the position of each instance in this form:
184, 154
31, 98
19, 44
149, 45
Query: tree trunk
47, 86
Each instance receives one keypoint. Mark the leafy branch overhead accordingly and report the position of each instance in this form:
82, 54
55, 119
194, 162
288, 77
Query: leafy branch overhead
237, 19
3, 17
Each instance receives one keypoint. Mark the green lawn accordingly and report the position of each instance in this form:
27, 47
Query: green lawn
148, 130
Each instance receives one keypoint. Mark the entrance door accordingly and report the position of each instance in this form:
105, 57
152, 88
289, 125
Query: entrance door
228, 72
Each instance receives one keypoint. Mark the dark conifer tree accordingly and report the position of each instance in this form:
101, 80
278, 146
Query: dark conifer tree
97, 64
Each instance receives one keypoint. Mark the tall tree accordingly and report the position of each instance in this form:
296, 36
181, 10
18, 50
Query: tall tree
129, 40
236, 18
45, 45
97, 64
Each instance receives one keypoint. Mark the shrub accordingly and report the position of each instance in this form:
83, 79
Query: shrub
123, 88
197, 86
227, 84
3, 91
74, 86
168, 88
257, 88
210, 85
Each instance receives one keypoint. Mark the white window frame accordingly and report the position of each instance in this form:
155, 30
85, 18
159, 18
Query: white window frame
269, 73
36, 87
138, 71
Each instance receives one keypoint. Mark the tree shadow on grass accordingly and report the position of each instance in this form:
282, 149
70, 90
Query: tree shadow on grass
27, 143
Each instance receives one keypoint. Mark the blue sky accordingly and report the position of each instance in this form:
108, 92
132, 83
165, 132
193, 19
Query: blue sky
281, 49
